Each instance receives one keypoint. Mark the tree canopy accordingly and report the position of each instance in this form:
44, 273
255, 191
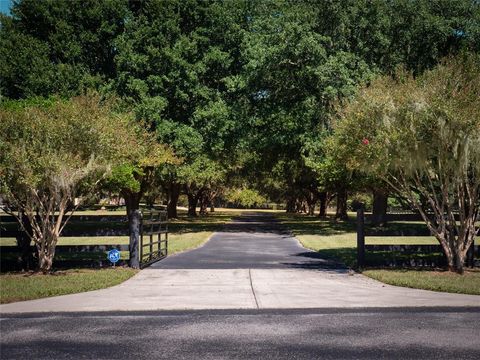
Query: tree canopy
235, 94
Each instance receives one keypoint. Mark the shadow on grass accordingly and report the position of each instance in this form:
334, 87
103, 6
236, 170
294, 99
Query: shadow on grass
310, 225
384, 259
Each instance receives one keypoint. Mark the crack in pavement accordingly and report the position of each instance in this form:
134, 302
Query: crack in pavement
251, 286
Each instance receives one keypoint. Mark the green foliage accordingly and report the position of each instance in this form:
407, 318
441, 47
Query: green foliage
55, 145
360, 200
174, 62
248, 85
422, 136
55, 152
245, 197
59, 46
125, 176
430, 123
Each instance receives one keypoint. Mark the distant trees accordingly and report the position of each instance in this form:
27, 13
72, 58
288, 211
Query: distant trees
236, 89
422, 137
301, 58
245, 197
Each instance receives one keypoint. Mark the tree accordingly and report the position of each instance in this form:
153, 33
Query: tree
52, 153
176, 65
294, 73
137, 166
197, 178
245, 197
59, 47
422, 137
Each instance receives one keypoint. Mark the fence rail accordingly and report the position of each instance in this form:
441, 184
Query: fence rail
396, 255
147, 230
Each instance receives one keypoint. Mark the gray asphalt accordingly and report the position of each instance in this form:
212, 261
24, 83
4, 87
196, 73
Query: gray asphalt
293, 334
252, 241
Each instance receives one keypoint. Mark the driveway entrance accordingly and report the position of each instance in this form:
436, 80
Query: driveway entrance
253, 263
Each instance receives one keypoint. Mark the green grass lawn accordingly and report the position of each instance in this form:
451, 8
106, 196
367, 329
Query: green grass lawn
468, 283
337, 240
19, 287
184, 234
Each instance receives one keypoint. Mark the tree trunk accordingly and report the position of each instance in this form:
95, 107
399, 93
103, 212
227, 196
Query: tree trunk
380, 204
24, 239
192, 204
323, 204
456, 260
132, 202
46, 253
173, 194
459, 262
291, 202
298, 206
203, 204
341, 212
45, 261
311, 198
212, 194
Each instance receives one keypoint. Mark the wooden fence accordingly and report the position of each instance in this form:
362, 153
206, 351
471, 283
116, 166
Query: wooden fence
402, 255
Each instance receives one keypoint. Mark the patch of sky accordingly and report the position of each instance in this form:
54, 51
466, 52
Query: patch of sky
262, 94
5, 6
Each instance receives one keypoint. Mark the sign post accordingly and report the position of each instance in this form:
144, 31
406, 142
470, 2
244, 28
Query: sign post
113, 256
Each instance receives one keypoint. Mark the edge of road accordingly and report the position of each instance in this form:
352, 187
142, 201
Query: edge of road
246, 312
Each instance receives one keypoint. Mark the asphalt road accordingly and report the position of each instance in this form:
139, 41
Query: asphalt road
275, 334
252, 241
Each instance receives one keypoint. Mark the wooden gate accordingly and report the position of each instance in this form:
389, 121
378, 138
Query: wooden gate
153, 236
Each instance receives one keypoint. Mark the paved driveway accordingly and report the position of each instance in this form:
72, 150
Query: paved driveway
253, 241
251, 264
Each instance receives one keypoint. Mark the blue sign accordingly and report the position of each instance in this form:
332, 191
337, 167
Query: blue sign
113, 255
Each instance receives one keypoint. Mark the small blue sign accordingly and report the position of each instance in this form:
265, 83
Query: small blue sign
113, 255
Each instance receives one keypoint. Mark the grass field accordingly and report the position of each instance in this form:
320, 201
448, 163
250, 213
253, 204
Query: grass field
19, 287
468, 283
337, 240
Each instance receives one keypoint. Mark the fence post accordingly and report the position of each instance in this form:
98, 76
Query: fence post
134, 227
360, 238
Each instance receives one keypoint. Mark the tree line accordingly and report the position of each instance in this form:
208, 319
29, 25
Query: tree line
220, 95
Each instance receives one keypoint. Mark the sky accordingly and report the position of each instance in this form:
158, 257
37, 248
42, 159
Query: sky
5, 6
